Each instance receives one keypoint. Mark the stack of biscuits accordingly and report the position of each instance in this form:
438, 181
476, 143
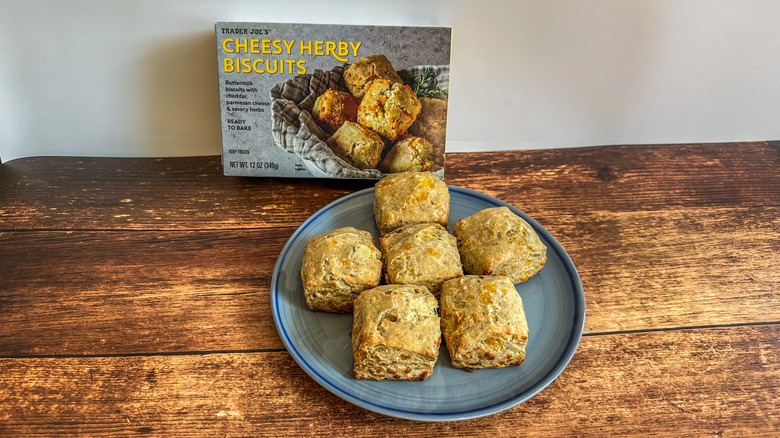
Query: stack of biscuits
380, 123
397, 327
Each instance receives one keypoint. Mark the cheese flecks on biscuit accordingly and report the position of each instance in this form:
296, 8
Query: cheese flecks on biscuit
388, 108
396, 333
337, 266
410, 198
359, 76
496, 241
483, 322
424, 254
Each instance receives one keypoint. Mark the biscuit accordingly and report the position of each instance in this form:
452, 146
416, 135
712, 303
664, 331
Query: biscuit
495, 241
332, 108
410, 198
410, 154
388, 108
483, 322
337, 266
431, 124
396, 333
358, 145
359, 76
424, 254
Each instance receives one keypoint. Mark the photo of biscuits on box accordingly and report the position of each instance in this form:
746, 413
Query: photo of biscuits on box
358, 145
328, 118
332, 108
412, 154
359, 76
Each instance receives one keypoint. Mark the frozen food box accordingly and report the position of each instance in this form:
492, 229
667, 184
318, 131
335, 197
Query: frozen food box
332, 101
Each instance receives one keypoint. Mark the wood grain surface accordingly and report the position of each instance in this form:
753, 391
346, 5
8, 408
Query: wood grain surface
622, 384
191, 193
112, 290
134, 295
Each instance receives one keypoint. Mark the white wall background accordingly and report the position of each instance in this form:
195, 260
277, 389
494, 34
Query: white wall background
139, 78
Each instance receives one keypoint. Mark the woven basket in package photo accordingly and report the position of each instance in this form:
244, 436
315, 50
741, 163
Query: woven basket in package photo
295, 130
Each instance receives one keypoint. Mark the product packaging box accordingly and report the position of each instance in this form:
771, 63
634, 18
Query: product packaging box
332, 101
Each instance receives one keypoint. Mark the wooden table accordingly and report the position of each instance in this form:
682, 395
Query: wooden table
134, 295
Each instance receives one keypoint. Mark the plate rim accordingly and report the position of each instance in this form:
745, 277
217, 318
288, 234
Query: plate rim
575, 336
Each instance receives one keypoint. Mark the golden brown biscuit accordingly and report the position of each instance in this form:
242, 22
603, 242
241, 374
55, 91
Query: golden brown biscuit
410, 198
359, 76
396, 333
495, 241
431, 124
410, 154
424, 254
388, 108
332, 108
483, 322
337, 266
358, 145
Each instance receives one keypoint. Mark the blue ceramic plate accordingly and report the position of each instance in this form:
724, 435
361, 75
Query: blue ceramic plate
320, 342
